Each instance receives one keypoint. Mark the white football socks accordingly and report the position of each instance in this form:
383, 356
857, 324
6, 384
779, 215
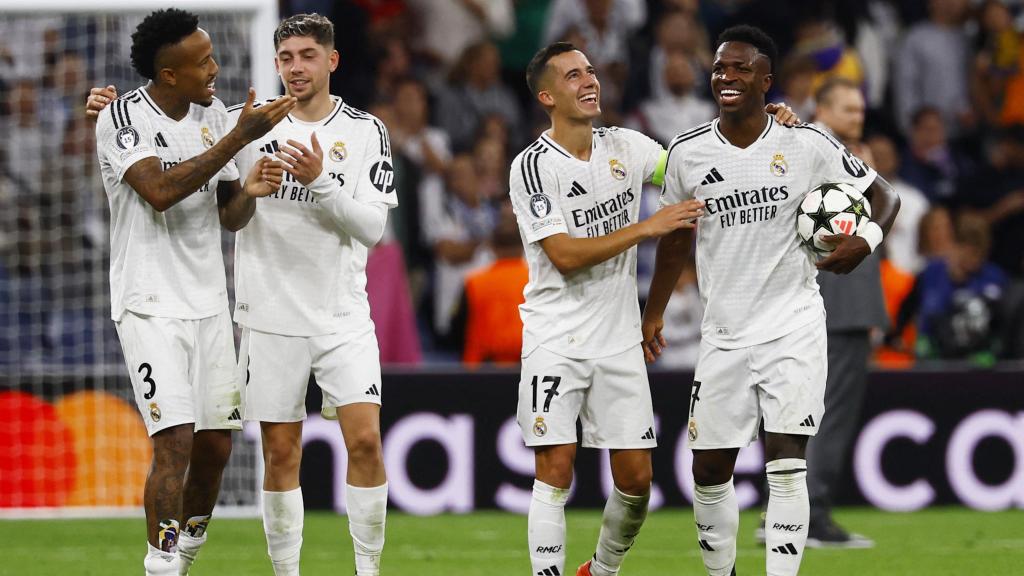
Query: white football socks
160, 563
546, 529
192, 538
283, 516
624, 514
367, 510
785, 522
718, 518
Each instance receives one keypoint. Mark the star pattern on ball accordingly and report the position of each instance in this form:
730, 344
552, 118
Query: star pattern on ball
856, 207
822, 218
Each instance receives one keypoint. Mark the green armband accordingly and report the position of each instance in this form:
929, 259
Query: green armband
659, 169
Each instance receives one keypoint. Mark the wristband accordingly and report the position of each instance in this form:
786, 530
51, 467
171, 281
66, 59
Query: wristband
872, 234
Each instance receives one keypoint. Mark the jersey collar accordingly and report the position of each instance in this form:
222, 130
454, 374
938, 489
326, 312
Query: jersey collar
338, 106
548, 140
764, 134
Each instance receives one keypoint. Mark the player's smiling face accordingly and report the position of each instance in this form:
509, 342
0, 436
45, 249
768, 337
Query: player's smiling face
572, 86
740, 77
193, 66
305, 66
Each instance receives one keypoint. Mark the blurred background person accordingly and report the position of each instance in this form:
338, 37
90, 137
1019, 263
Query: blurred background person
854, 306
678, 108
494, 329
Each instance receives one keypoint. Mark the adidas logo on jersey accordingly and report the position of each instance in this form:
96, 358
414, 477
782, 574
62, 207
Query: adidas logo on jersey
552, 571
576, 190
235, 415
270, 147
788, 548
649, 435
713, 177
809, 421
160, 141
372, 391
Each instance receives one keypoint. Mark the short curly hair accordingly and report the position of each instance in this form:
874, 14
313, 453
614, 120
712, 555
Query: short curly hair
159, 29
756, 38
313, 25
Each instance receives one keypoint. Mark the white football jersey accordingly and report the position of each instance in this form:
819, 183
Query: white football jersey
297, 273
594, 312
756, 281
167, 264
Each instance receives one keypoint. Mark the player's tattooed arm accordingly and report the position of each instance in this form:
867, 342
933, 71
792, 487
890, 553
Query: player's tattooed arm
163, 189
783, 114
571, 255
672, 254
236, 203
851, 250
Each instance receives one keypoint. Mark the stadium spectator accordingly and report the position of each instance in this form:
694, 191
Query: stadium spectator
796, 79
448, 27
936, 237
605, 26
820, 41
954, 299
457, 226
393, 65
997, 86
901, 245
932, 68
998, 192
475, 92
491, 164
931, 164
494, 330
679, 32
679, 108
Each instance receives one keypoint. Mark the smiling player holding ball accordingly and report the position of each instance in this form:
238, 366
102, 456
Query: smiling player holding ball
763, 348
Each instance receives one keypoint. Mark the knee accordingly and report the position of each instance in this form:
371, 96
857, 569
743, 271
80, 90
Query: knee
363, 446
710, 472
282, 456
214, 450
172, 449
635, 483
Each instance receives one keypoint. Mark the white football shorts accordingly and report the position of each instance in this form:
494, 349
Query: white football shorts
277, 368
610, 396
781, 381
182, 371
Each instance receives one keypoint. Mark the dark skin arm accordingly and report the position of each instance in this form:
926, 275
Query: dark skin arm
237, 203
671, 256
851, 250
162, 189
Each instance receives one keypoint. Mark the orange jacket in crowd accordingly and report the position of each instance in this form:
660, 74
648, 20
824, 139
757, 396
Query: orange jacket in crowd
494, 331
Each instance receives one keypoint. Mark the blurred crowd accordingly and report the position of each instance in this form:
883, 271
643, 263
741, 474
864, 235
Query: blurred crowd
942, 82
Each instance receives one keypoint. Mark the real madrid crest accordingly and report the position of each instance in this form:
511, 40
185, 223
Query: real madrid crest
206, 135
338, 152
539, 427
154, 411
778, 165
691, 431
618, 169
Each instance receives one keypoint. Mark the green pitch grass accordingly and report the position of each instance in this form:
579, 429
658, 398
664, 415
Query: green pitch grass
936, 542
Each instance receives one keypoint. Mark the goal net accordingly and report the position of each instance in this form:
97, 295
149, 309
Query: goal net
73, 441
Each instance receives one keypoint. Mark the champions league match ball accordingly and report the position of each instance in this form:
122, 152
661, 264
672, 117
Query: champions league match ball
834, 208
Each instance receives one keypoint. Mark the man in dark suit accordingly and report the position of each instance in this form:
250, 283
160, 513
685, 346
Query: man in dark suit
854, 306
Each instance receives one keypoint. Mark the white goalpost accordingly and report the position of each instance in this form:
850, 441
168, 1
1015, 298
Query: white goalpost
73, 442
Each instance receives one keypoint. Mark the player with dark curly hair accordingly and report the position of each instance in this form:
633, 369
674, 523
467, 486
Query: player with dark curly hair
763, 341
166, 155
